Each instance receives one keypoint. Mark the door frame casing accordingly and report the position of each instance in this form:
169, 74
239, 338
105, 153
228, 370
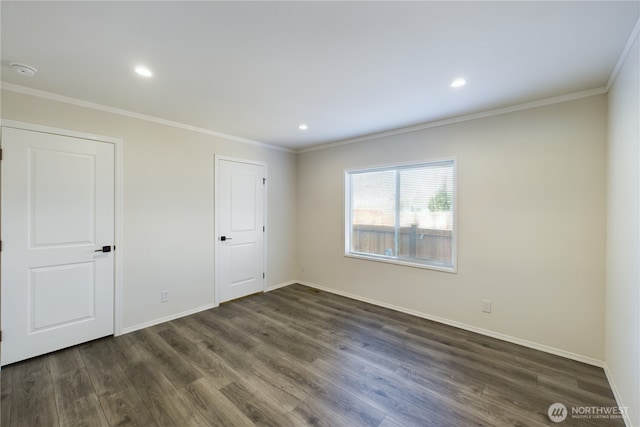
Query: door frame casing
118, 203
216, 225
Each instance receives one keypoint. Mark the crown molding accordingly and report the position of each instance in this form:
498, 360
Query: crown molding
121, 112
625, 52
464, 118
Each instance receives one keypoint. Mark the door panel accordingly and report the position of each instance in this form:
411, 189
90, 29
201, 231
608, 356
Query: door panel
61, 206
243, 260
244, 188
60, 295
240, 212
57, 210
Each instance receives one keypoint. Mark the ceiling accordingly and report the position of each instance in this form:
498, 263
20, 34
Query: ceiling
257, 70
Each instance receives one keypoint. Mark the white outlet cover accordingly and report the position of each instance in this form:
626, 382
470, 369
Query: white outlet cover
486, 308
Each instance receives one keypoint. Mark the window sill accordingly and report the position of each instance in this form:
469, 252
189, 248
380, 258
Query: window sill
365, 257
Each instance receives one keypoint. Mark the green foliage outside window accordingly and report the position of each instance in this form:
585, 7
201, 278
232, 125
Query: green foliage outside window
442, 200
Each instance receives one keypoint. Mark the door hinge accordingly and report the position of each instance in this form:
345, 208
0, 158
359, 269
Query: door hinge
263, 229
0, 153
0, 245
264, 181
263, 275
0, 336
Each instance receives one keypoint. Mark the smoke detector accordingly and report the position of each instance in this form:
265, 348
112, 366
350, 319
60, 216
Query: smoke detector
24, 70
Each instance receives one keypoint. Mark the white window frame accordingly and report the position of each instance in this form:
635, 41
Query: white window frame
394, 260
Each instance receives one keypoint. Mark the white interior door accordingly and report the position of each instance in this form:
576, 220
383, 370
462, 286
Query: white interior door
57, 217
240, 217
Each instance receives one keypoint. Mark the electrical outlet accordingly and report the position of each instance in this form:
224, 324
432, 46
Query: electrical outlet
486, 306
164, 296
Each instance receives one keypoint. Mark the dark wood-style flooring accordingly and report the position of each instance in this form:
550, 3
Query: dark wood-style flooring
294, 357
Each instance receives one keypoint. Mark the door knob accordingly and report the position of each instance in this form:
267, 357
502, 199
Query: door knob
224, 238
104, 249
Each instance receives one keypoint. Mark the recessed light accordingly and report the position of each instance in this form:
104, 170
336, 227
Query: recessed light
303, 126
458, 82
143, 71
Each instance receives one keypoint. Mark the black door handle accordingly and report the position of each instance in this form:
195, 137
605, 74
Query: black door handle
224, 238
104, 249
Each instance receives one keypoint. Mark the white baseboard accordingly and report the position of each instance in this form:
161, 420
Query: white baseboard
281, 285
616, 395
481, 331
189, 312
507, 338
165, 319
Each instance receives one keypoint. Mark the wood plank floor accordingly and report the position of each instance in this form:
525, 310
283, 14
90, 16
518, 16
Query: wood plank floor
293, 357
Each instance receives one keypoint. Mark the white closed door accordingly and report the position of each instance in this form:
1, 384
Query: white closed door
240, 216
58, 236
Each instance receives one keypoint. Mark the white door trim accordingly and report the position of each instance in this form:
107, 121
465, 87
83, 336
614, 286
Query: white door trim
216, 227
118, 242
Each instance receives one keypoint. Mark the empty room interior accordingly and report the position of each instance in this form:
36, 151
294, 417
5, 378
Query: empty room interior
320, 213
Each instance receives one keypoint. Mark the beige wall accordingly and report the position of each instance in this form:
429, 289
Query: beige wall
168, 219
531, 236
532, 220
531, 197
623, 236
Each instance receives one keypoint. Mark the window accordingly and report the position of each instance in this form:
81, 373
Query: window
402, 214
